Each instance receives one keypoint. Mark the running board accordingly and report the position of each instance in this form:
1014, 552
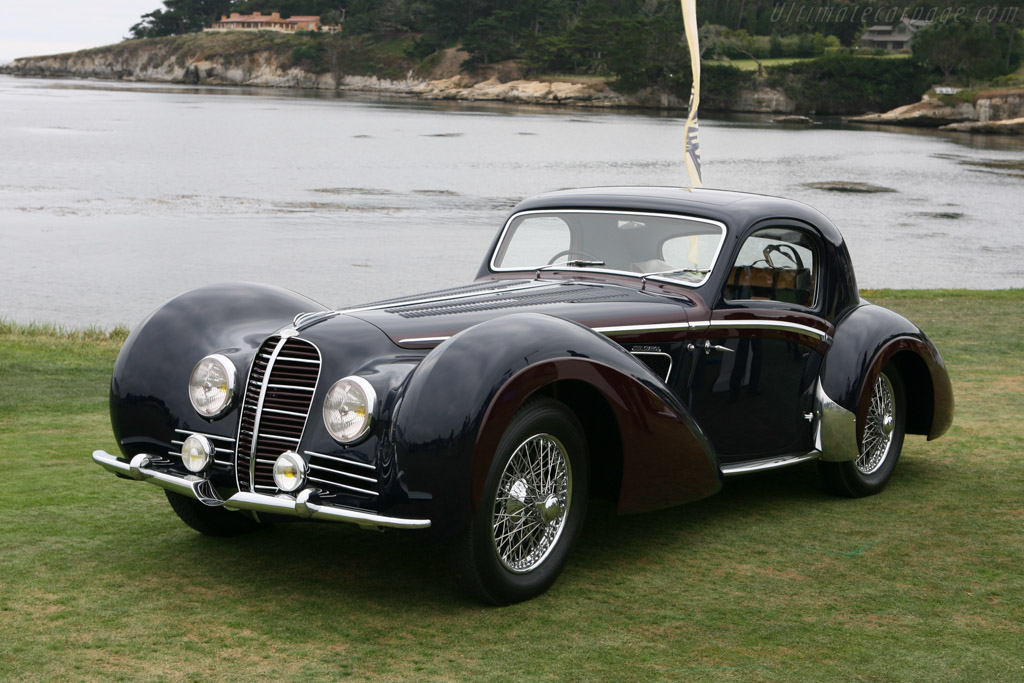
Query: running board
767, 464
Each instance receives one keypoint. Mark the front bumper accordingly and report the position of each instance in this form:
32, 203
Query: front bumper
305, 504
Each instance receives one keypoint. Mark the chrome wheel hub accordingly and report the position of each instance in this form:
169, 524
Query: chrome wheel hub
878, 427
532, 503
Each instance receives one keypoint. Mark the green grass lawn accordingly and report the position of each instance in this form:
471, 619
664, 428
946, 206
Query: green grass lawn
751, 65
772, 579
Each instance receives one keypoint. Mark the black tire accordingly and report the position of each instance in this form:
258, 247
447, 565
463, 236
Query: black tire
524, 528
212, 521
883, 427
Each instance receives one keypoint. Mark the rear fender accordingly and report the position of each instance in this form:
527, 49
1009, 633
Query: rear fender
866, 341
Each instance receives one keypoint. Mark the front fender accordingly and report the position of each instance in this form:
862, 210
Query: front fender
149, 387
865, 341
460, 398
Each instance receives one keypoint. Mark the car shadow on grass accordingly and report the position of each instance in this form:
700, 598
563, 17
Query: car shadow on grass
342, 565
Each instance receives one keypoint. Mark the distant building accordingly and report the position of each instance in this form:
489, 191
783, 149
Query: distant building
268, 22
892, 38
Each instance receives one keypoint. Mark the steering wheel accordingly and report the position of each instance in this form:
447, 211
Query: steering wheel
786, 250
571, 252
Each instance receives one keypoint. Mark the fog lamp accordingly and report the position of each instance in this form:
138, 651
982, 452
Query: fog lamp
289, 471
197, 453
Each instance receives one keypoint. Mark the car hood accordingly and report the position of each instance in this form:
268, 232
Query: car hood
426, 319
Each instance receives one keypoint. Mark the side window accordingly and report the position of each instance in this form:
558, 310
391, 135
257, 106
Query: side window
775, 264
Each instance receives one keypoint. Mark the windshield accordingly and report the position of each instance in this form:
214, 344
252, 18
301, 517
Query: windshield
671, 247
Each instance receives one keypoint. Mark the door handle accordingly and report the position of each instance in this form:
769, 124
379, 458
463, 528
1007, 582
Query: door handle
709, 347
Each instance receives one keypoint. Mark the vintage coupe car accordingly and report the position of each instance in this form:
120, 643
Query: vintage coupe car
633, 343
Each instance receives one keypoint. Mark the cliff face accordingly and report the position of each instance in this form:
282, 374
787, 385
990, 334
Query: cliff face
173, 61
268, 60
276, 60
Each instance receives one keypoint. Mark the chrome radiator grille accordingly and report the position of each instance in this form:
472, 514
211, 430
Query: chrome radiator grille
277, 399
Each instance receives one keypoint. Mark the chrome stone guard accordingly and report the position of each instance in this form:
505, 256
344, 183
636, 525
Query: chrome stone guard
305, 504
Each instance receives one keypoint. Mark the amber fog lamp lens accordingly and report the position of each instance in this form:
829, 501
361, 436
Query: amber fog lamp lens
348, 409
212, 385
289, 471
197, 453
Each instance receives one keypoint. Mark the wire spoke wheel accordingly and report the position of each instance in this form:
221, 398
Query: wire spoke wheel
882, 427
878, 427
534, 494
531, 508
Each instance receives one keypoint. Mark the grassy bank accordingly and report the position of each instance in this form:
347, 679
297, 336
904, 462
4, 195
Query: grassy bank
770, 580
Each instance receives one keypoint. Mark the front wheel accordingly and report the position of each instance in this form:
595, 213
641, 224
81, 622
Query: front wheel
212, 521
532, 509
883, 427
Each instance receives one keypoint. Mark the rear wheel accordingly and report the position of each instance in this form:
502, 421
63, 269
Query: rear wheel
212, 521
532, 509
883, 427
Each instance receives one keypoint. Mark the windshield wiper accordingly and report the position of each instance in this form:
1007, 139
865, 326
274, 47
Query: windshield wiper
696, 271
578, 263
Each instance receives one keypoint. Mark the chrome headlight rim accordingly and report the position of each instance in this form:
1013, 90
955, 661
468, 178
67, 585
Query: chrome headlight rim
231, 375
369, 395
294, 482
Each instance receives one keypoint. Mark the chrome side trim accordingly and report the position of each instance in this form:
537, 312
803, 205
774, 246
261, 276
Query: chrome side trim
835, 429
733, 469
637, 329
423, 340
305, 505
614, 330
778, 325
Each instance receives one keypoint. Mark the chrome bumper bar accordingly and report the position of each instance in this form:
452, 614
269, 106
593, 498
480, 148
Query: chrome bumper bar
304, 504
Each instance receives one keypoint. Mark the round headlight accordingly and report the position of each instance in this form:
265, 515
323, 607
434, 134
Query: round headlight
348, 409
212, 385
197, 453
289, 471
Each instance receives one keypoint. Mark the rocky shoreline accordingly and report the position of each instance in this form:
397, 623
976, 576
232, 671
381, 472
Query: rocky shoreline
992, 112
997, 112
198, 62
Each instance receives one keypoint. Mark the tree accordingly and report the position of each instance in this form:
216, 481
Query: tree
966, 49
180, 16
486, 41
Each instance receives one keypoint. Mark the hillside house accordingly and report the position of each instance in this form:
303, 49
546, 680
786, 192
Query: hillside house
267, 22
895, 38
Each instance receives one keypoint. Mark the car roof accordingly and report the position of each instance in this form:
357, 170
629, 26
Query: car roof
736, 209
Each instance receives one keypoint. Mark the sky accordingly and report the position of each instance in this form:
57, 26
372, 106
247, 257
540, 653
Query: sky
66, 25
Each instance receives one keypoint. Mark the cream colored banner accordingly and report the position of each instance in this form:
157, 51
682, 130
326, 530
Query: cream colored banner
692, 142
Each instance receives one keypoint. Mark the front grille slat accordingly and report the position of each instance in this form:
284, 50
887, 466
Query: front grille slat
275, 409
342, 473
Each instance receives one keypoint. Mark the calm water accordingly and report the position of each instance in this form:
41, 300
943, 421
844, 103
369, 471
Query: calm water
114, 198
